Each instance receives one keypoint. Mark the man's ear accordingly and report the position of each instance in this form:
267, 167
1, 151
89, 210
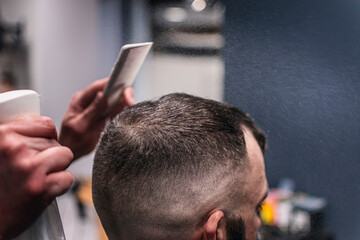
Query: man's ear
213, 229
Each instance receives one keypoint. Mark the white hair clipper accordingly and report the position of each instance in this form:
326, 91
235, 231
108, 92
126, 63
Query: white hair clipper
48, 226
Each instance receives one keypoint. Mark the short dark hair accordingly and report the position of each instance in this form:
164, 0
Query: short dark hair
166, 159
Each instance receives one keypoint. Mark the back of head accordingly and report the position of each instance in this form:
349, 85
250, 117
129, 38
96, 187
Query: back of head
162, 165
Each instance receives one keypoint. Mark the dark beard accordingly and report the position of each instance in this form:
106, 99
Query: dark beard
235, 229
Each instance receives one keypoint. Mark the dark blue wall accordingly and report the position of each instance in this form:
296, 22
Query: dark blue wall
294, 65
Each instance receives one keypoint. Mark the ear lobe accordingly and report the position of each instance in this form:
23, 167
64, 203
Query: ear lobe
212, 229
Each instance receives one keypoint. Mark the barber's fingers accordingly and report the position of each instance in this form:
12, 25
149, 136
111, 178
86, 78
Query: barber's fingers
127, 100
16, 147
129, 96
40, 144
58, 183
51, 179
54, 159
31, 126
84, 97
95, 110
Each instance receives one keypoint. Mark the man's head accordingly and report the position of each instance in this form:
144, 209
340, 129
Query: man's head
180, 167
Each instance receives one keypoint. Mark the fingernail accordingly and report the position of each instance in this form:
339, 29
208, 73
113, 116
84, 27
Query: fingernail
99, 96
132, 97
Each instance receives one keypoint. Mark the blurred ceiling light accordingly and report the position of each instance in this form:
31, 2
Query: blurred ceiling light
198, 5
175, 14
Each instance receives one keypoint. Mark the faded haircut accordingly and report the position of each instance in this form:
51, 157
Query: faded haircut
162, 165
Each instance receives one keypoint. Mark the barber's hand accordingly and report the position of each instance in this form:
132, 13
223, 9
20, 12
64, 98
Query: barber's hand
86, 117
32, 171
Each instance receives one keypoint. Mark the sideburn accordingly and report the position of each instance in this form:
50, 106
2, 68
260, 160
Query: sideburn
235, 229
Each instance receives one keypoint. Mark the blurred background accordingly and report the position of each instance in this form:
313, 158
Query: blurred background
293, 65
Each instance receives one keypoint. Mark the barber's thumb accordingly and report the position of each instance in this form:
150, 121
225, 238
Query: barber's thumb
129, 96
97, 107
